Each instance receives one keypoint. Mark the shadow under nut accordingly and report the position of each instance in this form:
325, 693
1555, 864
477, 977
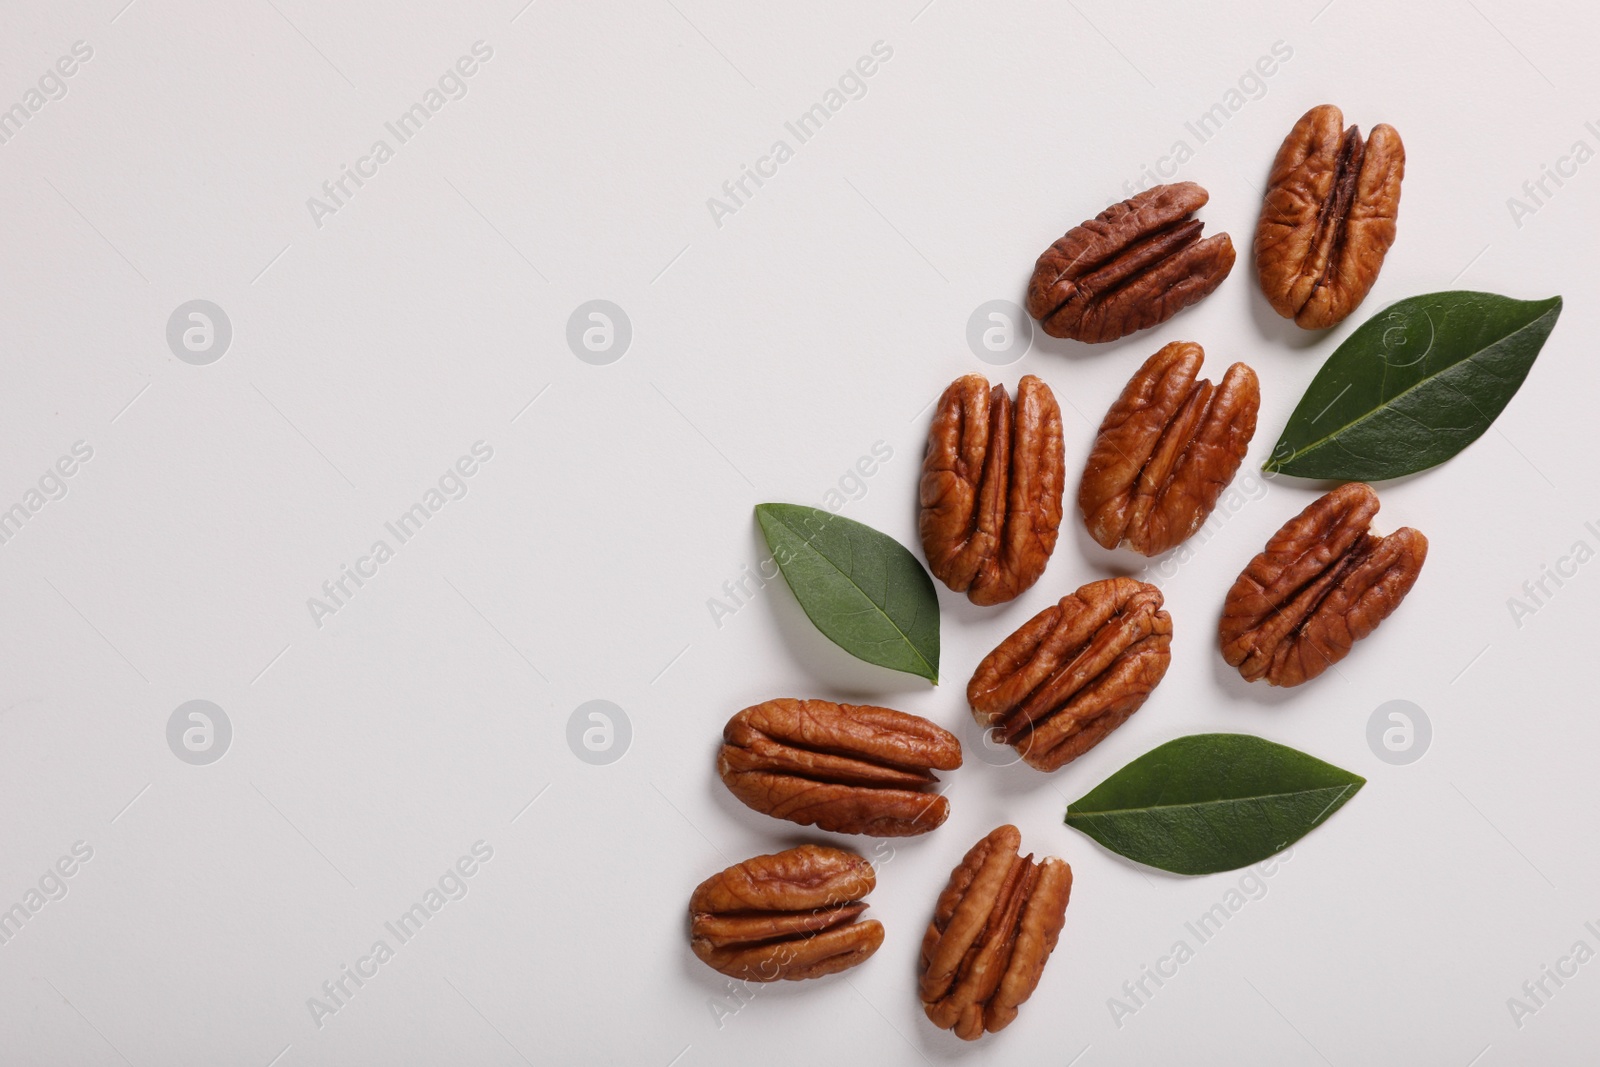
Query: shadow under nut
991, 487
784, 917
1323, 582
1328, 218
1133, 266
851, 769
993, 929
1166, 450
1074, 672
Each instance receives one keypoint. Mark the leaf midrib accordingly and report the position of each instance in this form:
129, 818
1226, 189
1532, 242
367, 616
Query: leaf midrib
1206, 803
911, 644
1278, 465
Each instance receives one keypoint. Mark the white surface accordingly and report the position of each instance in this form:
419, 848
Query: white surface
768, 354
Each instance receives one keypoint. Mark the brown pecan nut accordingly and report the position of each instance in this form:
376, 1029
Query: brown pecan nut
993, 928
1323, 583
785, 917
852, 769
1328, 218
1134, 265
991, 487
1166, 450
1074, 672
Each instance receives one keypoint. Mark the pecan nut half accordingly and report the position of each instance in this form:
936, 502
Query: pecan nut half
993, 929
1328, 218
991, 487
1074, 672
1134, 265
1323, 583
852, 769
787, 916
1166, 450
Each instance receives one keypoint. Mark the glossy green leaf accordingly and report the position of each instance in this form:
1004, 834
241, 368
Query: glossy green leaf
1212, 802
1413, 385
862, 589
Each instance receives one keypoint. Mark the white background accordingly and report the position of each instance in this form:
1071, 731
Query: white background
769, 353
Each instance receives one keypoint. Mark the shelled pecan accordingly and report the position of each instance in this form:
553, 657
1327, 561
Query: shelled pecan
1328, 218
1166, 450
991, 487
791, 915
1074, 672
1323, 582
1134, 265
992, 932
853, 769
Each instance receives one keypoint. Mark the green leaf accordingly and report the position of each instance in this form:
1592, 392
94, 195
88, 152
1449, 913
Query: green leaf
1212, 802
861, 588
1413, 385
